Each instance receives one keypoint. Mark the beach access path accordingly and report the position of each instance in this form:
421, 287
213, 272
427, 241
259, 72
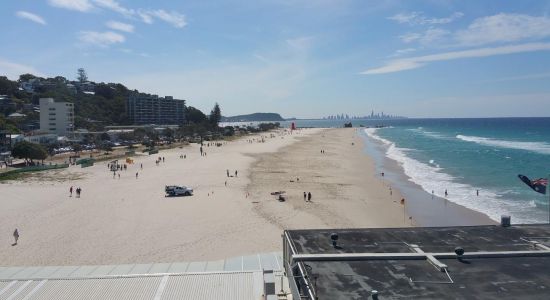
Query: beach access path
129, 220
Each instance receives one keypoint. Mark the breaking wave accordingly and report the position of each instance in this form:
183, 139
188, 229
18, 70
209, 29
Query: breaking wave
430, 177
538, 147
427, 133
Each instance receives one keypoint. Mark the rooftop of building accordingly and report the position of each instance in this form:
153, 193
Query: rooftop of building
244, 277
498, 262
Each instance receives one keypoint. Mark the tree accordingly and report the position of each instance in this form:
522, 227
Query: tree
82, 77
8, 125
105, 137
77, 148
194, 115
7, 87
26, 77
29, 151
168, 133
215, 115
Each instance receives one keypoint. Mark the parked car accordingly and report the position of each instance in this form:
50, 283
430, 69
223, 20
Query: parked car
174, 190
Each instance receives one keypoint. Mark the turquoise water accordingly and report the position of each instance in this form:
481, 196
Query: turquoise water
466, 155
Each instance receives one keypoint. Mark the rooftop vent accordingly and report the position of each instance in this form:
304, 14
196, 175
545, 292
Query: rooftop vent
459, 252
505, 221
334, 238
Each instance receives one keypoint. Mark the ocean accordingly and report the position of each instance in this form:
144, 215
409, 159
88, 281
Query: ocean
463, 156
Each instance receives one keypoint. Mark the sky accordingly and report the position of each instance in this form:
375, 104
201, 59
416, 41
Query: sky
302, 58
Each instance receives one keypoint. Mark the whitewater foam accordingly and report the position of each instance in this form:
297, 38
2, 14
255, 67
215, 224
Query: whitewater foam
427, 133
538, 147
432, 178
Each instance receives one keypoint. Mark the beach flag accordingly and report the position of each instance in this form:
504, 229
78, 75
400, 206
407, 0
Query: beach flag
538, 185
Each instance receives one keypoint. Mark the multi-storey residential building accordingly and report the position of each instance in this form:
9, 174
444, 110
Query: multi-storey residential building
56, 117
152, 109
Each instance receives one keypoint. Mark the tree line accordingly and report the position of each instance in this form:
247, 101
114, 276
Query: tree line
93, 111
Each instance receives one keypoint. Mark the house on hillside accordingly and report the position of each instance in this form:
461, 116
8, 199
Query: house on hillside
6, 103
30, 85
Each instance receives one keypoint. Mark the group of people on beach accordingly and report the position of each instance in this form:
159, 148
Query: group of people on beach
203, 153
236, 173
307, 196
78, 191
159, 160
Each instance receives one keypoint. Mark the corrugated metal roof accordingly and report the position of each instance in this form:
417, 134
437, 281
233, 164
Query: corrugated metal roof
241, 277
232, 285
217, 285
256, 262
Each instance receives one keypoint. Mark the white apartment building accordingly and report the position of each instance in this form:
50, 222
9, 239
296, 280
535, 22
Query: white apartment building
56, 117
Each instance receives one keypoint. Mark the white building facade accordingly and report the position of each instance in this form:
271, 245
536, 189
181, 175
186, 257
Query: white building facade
56, 117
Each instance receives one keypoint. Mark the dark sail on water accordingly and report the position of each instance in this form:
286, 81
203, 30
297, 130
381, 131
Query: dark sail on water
538, 185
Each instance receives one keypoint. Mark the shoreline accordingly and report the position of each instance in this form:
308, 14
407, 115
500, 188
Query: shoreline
346, 193
128, 220
428, 210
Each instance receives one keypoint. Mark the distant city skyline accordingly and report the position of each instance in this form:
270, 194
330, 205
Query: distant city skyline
372, 115
303, 59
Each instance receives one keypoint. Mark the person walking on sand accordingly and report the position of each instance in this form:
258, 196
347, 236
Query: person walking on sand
236, 173
137, 174
305, 196
227, 172
71, 191
141, 166
309, 197
15, 236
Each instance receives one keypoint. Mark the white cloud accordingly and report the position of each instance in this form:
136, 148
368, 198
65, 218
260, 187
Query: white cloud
30, 16
504, 28
78, 5
102, 39
402, 52
115, 6
120, 26
416, 62
410, 37
418, 18
174, 18
145, 15
146, 18
433, 34
429, 36
13, 70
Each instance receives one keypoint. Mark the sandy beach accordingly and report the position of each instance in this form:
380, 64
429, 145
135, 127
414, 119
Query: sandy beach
129, 220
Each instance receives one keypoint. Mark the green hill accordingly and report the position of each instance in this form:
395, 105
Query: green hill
254, 117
